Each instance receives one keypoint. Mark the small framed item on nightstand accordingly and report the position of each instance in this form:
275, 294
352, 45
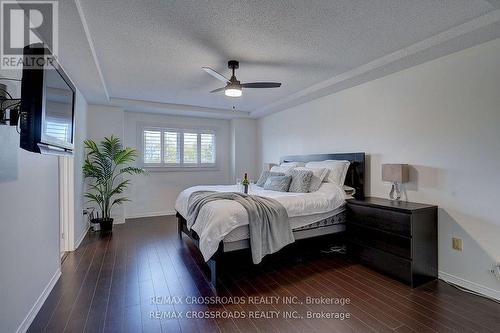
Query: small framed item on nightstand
398, 238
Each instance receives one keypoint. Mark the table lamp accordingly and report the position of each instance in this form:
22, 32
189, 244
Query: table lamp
396, 174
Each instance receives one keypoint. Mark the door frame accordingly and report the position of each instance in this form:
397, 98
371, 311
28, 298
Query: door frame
66, 204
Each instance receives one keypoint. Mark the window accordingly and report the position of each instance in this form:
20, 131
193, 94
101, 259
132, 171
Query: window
152, 147
190, 148
170, 147
172, 154
207, 148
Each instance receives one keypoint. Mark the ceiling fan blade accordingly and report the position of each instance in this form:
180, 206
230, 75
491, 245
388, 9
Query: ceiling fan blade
215, 74
261, 85
218, 89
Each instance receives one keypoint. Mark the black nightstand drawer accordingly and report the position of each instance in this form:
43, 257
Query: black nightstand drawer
392, 265
394, 244
383, 219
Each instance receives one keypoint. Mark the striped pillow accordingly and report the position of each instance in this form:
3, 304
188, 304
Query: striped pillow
301, 180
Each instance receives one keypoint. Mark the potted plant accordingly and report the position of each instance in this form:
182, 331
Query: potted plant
105, 164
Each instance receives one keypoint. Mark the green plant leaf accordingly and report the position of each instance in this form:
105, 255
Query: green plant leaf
133, 170
119, 201
120, 187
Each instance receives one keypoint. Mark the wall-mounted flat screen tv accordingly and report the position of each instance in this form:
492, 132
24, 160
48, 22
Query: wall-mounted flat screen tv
47, 104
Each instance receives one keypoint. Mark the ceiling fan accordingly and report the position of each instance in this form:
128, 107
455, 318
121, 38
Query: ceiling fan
233, 87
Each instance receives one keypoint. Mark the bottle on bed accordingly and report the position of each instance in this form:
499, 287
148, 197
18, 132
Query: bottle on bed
245, 183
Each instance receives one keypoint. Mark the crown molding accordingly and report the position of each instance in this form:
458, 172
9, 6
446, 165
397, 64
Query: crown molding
176, 109
92, 47
474, 32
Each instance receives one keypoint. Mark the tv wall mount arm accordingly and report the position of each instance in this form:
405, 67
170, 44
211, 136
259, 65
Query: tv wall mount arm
9, 106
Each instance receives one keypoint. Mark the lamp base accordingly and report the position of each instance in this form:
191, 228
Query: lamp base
395, 193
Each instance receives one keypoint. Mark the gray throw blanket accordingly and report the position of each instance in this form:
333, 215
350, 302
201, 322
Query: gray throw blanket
268, 220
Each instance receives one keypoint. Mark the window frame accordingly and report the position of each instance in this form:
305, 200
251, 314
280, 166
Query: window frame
180, 129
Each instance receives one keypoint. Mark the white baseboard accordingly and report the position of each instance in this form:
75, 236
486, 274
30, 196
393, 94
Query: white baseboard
478, 288
39, 302
152, 214
82, 236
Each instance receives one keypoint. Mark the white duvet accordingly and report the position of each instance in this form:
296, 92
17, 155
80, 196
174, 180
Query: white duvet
219, 218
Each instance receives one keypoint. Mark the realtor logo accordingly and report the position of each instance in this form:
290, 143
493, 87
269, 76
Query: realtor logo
25, 23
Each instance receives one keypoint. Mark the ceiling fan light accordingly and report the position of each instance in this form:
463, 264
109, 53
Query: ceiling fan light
233, 92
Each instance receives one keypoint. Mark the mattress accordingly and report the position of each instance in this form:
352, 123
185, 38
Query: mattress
297, 223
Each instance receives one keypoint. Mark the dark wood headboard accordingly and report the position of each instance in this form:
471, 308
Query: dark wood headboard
355, 175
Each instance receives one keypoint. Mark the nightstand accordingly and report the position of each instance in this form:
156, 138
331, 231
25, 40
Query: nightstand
398, 238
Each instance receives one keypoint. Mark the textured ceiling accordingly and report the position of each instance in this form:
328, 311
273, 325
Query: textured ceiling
154, 50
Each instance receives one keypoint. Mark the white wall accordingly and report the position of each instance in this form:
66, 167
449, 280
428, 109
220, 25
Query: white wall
155, 193
443, 118
29, 219
244, 149
29, 241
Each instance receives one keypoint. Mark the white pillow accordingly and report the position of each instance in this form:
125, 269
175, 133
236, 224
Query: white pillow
318, 176
281, 169
337, 170
292, 164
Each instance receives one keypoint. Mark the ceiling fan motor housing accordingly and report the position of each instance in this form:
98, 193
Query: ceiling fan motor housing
233, 64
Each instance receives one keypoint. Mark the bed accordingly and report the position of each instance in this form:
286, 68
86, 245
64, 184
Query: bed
223, 226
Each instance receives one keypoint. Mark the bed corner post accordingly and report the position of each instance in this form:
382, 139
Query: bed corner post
180, 220
212, 265
215, 265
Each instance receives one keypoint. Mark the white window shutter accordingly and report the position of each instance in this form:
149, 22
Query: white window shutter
207, 148
190, 148
152, 146
171, 147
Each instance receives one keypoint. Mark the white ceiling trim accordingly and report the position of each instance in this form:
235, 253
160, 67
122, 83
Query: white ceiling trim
301, 96
176, 109
92, 48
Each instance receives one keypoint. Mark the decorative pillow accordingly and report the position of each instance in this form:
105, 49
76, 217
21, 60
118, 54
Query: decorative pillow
281, 169
264, 175
318, 175
278, 183
301, 180
337, 170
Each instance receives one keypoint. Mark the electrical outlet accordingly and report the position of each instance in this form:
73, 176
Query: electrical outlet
457, 244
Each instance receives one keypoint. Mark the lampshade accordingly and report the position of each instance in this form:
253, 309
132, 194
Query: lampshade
395, 173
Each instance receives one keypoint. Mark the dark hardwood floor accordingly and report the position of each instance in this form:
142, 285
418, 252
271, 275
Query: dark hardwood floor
107, 285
